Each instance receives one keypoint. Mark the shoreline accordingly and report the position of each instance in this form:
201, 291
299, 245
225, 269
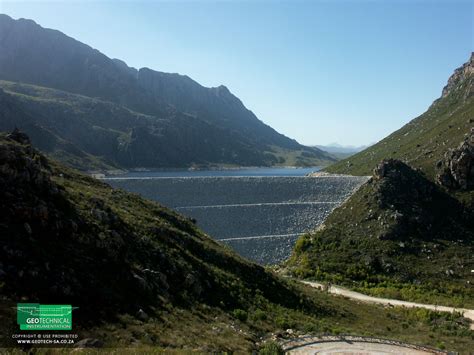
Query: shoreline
121, 172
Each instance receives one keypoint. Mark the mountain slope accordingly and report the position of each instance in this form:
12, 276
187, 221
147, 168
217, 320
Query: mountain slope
116, 135
48, 58
14, 114
146, 277
423, 142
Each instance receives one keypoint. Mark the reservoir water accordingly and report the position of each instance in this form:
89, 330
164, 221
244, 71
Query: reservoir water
260, 213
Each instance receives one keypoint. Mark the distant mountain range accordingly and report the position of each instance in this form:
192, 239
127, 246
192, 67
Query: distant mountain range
95, 112
341, 151
339, 148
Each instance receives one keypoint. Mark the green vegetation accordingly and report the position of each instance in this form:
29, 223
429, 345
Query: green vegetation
443, 293
271, 348
145, 277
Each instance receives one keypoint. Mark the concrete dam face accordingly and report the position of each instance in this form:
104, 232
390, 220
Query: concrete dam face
259, 217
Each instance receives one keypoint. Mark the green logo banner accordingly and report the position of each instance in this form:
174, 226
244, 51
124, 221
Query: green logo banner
35, 316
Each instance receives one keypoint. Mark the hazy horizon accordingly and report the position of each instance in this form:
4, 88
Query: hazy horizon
310, 70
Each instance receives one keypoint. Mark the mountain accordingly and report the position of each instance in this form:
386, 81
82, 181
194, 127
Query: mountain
143, 276
176, 122
423, 142
408, 233
71, 127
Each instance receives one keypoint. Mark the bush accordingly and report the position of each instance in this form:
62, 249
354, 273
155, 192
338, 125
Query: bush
283, 323
240, 314
302, 244
271, 348
259, 315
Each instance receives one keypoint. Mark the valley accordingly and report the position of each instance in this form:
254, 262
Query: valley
154, 276
167, 216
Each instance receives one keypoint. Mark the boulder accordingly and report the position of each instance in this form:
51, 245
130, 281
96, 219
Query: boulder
142, 315
89, 343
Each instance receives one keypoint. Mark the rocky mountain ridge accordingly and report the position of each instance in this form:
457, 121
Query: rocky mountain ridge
211, 125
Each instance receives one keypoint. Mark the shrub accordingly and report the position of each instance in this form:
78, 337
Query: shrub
284, 323
259, 315
302, 244
271, 348
240, 314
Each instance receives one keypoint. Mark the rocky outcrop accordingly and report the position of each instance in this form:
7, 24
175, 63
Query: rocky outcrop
19, 137
457, 167
460, 74
386, 168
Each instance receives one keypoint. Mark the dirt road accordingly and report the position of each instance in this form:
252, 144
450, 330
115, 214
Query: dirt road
354, 345
468, 313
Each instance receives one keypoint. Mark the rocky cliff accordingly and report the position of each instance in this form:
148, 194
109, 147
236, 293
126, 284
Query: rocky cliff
462, 76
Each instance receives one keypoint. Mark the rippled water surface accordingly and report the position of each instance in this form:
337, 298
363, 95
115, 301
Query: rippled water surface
258, 216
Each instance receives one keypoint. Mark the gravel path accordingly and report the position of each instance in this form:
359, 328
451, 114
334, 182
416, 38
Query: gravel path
468, 313
354, 345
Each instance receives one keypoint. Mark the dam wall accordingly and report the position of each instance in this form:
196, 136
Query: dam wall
259, 217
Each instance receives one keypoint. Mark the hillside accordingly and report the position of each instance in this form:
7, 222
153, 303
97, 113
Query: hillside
399, 235
143, 276
15, 114
172, 121
424, 141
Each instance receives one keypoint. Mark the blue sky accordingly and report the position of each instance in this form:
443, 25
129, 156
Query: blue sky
318, 71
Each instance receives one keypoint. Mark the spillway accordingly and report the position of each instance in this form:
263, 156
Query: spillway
259, 217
